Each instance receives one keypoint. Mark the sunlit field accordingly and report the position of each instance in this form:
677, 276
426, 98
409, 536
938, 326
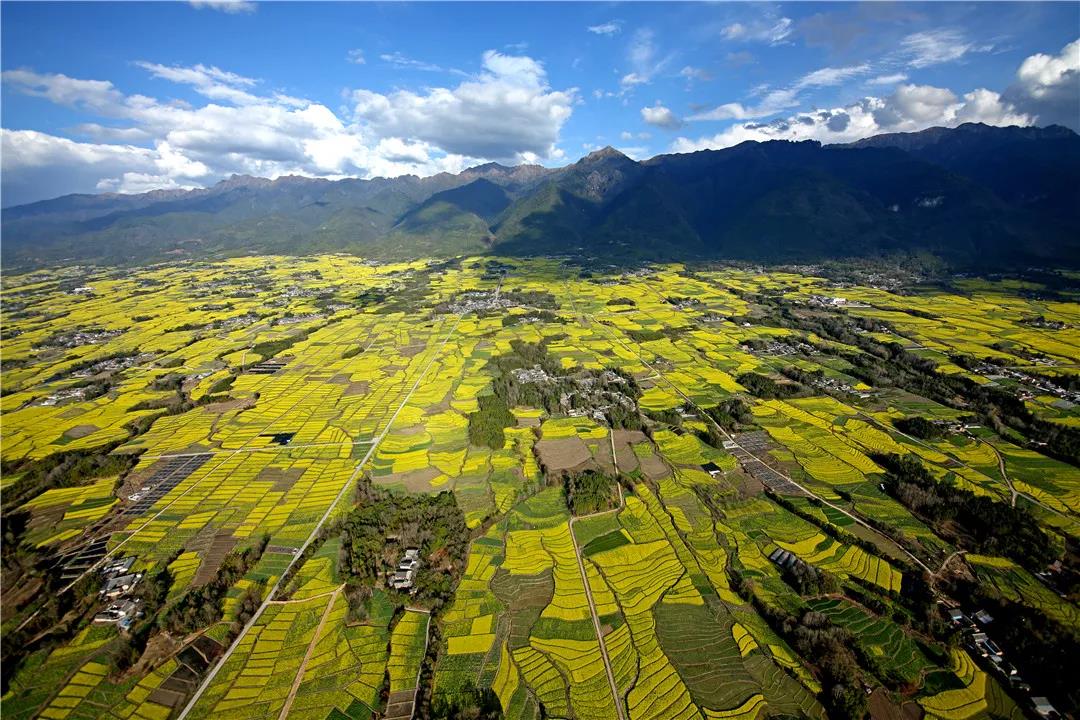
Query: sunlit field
234, 407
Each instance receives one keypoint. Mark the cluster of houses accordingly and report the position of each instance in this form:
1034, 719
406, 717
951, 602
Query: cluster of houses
828, 383
826, 301
113, 364
591, 398
1041, 322
294, 319
404, 578
979, 643
479, 300
78, 338
996, 372
683, 303
62, 396
120, 583
784, 559
778, 348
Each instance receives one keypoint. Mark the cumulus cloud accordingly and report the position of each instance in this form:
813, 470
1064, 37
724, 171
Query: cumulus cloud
356, 56
34, 160
660, 116
909, 108
90, 95
507, 112
608, 28
1045, 74
1048, 86
233, 7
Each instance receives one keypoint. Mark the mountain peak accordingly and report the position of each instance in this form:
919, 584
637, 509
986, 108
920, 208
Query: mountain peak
603, 153
242, 181
962, 133
489, 167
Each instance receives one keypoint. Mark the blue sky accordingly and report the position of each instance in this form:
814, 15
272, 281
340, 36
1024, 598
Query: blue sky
136, 96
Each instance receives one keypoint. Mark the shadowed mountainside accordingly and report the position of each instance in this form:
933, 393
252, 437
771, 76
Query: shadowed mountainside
975, 196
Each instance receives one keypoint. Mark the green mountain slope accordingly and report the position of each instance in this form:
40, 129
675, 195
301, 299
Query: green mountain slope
975, 196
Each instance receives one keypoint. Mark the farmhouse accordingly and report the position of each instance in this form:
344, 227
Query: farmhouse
405, 576
120, 585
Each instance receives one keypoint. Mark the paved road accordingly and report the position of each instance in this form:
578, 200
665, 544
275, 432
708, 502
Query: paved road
615, 696
596, 619
310, 651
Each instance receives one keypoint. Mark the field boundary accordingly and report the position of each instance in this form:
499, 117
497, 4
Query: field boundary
345, 487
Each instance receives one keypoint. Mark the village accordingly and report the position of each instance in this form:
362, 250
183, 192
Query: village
118, 587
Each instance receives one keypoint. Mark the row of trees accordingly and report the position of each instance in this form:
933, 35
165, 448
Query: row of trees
432, 523
201, 606
487, 424
889, 364
986, 525
589, 492
816, 638
766, 388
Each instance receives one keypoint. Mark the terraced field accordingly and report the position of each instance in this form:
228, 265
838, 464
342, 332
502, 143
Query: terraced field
229, 410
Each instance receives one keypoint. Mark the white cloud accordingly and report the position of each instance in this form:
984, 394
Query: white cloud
987, 106
403, 62
1043, 75
118, 134
645, 60
1046, 90
608, 28
92, 95
830, 76
1048, 86
772, 102
34, 162
771, 30
356, 56
914, 106
692, 73
232, 7
909, 108
934, 47
660, 116
892, 79
507, 112
778, 100
210, 82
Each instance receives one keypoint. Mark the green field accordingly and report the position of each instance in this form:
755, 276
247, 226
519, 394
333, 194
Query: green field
694, 618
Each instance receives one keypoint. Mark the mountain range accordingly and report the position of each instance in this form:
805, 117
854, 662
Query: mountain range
975, 196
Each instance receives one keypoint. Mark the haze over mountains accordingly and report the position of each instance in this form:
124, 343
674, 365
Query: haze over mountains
976, 196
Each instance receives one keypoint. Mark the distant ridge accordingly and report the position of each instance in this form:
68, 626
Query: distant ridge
975, 196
